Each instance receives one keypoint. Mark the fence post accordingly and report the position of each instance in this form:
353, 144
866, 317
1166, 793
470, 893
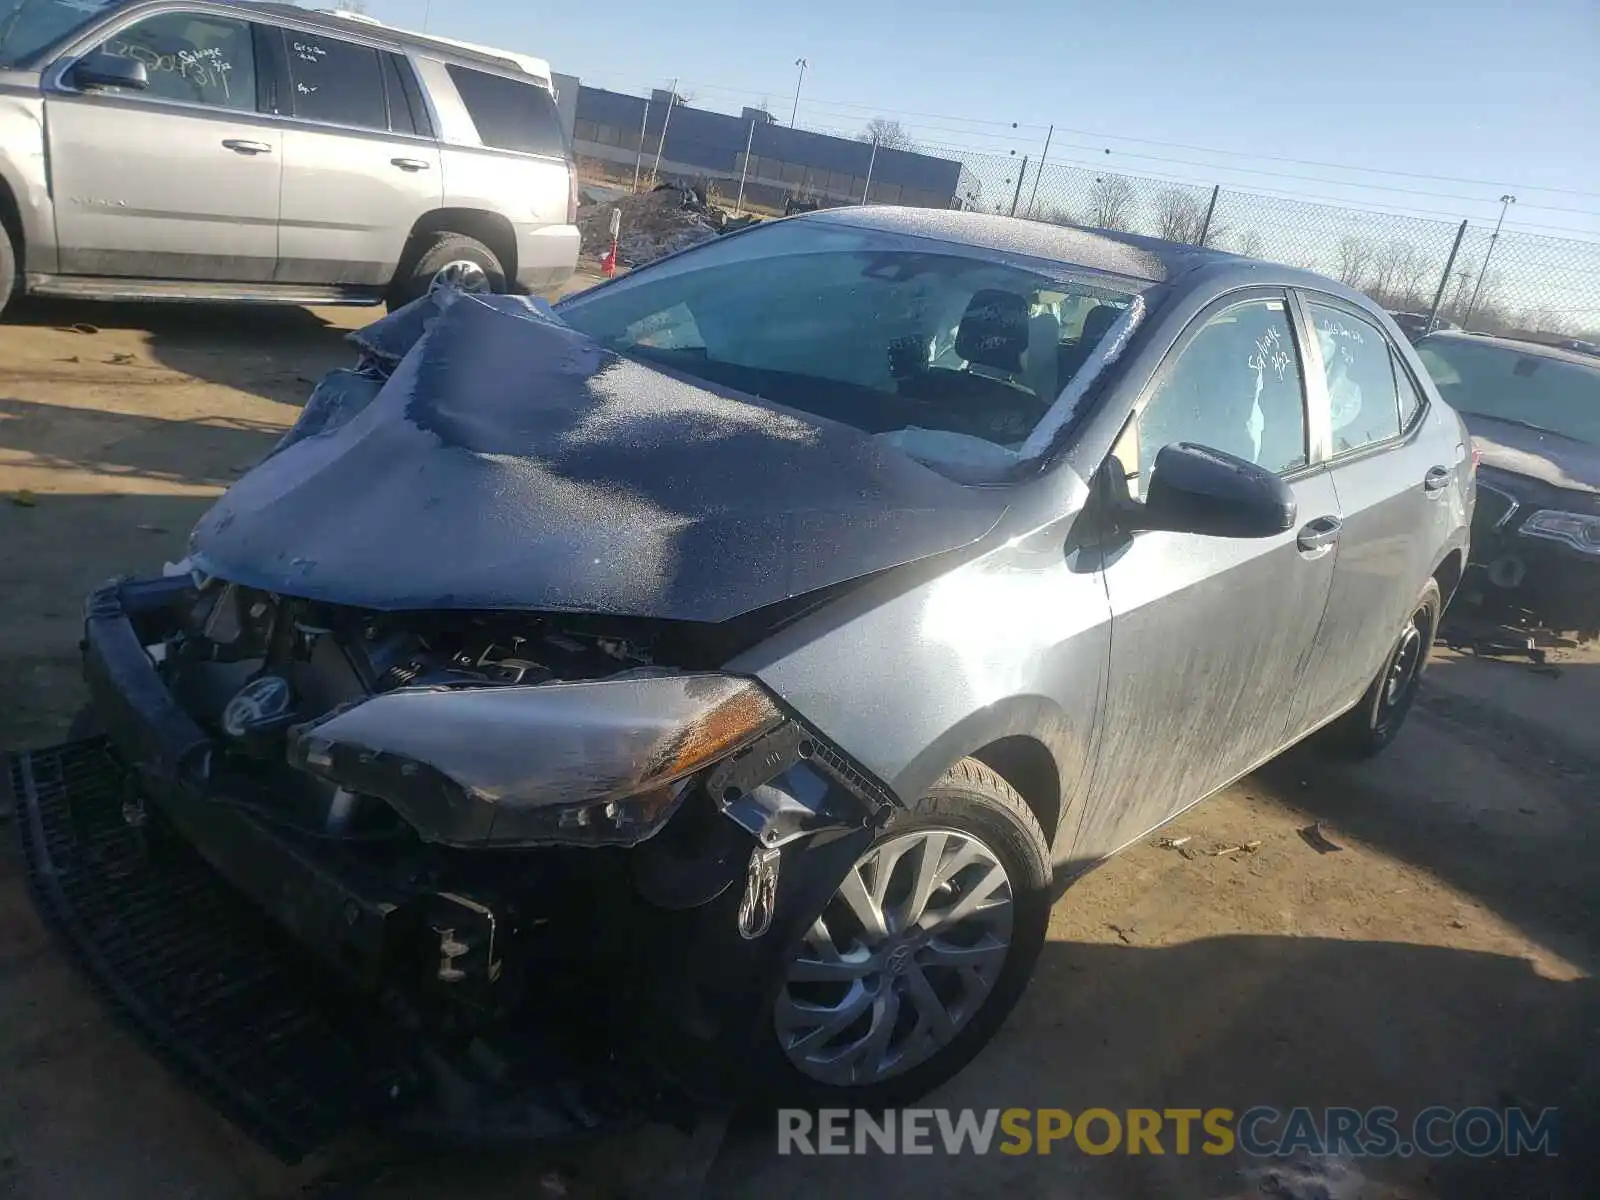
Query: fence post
1017, 195
1444, 280
665, 121
638, 159
749, 141
872, 162
1205, 226
1039, 170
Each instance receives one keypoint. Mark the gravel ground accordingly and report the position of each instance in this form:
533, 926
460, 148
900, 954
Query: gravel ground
1444, 956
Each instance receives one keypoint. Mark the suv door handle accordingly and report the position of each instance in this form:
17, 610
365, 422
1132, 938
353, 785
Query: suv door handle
1436, 480
410, 164
240, 146
1319, 535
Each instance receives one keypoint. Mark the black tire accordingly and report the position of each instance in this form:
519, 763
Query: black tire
431, 255
1372, 725
8, 268
970, 799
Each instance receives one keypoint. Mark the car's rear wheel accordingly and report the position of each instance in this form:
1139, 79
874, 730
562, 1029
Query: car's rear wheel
925, 947
447, 260
1373, 724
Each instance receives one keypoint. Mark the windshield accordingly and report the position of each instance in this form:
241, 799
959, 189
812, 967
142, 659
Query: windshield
1492, 380
936, 345
29, 26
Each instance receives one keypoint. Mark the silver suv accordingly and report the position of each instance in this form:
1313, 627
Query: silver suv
156, 149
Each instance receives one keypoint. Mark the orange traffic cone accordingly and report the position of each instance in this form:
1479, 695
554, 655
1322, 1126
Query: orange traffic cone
608, 263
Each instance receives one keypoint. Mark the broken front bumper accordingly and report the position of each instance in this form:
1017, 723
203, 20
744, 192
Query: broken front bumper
215, 931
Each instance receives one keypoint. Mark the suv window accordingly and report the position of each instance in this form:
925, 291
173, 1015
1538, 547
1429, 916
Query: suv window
1358, 363
510, 115
194, 57
1236, 386
337, 82
406, 111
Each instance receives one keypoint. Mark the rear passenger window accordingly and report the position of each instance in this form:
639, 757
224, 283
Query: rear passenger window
510, 114
198, 58
1359, 366
1410, 401
1236, 387
337, 82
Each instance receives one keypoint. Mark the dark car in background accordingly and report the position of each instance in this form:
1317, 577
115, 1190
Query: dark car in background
706, 682
1534, 413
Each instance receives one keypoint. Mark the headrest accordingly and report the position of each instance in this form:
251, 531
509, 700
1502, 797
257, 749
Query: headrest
1098, 323
994, 330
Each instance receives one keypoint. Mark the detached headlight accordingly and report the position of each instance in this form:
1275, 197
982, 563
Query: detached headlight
601, 763
1580, 532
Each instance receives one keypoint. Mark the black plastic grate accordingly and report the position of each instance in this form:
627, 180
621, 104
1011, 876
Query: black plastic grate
223, 994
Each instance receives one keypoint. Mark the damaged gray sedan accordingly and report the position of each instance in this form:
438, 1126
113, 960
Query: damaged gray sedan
695, 692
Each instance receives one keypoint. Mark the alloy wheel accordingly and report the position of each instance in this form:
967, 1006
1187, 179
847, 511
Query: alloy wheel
463, 274
900, 961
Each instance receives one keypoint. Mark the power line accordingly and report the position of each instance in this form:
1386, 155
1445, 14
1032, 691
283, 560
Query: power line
879, 110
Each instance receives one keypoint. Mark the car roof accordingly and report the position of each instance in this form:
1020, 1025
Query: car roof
1132, 255
1516, 346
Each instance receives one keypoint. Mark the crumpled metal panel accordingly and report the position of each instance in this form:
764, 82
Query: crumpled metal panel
511, 462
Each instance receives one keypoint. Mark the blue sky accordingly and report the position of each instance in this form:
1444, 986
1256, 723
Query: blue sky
1464, 100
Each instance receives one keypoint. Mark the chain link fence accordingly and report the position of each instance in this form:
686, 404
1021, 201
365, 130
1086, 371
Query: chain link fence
1515, 282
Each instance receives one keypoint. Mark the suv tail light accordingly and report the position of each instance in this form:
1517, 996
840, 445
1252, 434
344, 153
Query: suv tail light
572, 191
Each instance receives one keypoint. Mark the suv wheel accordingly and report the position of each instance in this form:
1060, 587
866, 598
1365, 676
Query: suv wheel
1371, 725
916, 960
8, 268
447, 260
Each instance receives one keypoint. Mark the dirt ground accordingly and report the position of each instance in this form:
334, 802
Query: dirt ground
1445, 955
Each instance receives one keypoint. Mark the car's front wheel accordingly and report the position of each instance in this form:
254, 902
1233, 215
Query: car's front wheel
921, 952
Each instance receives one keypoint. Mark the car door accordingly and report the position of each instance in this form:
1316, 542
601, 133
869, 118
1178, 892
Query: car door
359, 163
178, 180
1393, 483
1210, 636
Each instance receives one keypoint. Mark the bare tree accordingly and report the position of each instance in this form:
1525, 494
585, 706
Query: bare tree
1355, 256
889, 134
1180, 217
1111, 203
1251, 244
1388, 268
1416, 275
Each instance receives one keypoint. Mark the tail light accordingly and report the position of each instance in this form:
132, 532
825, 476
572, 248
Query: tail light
572, 191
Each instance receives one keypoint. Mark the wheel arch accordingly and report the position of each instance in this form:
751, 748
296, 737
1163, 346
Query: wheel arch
1448, 575
491, 228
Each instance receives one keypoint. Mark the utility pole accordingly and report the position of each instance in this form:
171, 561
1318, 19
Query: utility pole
1017, 195
795, 111
1444, 280
665, 121
1505, 203
749, 141
1211, 208
871, 163
1039, 170
638, 157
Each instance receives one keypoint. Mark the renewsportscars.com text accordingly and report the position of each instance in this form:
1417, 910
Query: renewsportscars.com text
1260, 1131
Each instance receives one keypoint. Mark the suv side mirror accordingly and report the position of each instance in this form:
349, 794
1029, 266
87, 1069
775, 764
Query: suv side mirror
1195, 489
99, 69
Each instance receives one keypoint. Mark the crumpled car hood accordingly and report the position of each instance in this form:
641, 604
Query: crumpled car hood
1558, 461
510, 462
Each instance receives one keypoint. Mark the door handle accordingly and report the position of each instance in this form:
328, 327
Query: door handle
241, 146
410, 164
1319, 535
1436, 480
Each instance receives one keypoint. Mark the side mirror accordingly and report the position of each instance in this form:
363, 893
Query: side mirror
99, 69
1195, 489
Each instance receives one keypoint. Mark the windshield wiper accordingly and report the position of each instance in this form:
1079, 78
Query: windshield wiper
1520, 423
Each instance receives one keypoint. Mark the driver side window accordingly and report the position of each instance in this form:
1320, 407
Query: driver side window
194, 57
1236, 386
